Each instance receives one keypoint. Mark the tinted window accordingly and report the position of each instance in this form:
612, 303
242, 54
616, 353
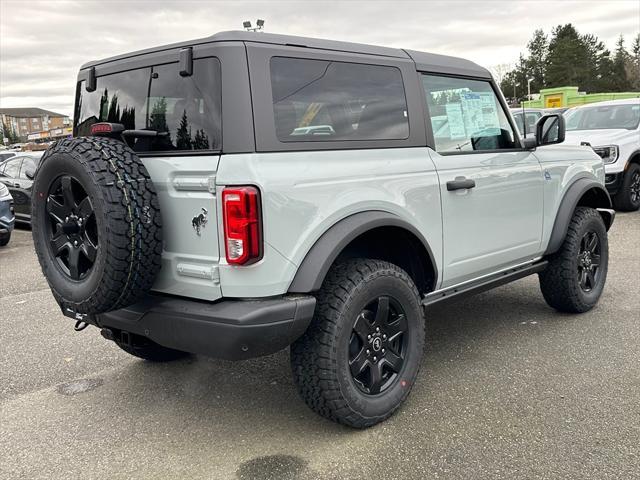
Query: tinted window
28, 165
466, 115
4, 156
185, 111
12, 167
317, 100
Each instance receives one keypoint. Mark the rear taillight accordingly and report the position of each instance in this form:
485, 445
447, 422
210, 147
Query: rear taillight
242, 229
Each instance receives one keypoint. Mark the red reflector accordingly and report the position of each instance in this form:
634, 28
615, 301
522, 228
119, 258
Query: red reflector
242, 229
98, 128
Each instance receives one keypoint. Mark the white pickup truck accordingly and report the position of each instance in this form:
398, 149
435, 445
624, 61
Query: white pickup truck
613, 130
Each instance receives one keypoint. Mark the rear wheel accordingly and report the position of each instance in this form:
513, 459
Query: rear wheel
628, 198
4, 239
360, 357
575, 277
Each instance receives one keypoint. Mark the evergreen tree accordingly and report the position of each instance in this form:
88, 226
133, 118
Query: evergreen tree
619, 80
534, 64
568, 59
114, 110
600, 65
201, 140
158, 117
183, 135
634, 65
104, 106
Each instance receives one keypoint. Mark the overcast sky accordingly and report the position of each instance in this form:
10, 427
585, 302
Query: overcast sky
42, 44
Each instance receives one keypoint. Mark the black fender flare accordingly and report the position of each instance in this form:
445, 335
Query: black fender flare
568, 205
323, 253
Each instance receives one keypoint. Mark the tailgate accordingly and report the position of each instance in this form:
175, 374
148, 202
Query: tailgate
190, 256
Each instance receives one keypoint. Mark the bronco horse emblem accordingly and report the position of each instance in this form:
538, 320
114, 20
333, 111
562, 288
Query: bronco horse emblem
199, 221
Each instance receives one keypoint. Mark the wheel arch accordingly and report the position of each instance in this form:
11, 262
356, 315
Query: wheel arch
585, 192
367, 234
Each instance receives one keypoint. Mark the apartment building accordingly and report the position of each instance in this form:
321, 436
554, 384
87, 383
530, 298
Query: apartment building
29, 121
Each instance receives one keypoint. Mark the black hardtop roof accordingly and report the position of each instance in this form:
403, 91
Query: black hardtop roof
424, 61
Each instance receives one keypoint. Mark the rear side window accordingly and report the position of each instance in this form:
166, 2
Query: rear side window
318, 100
466, 115
185, 111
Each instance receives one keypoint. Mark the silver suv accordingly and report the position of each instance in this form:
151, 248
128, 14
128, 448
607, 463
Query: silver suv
238, 194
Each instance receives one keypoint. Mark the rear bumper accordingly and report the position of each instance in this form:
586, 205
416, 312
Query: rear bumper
229, 329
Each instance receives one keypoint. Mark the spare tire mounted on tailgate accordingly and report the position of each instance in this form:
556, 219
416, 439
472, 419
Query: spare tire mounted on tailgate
96, 225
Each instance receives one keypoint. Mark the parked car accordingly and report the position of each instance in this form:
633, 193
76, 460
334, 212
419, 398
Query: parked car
528, 115
17, 174
272, 236
7, 218
613, 130
6, 155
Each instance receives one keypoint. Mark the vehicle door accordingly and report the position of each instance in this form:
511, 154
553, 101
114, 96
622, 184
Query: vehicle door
491, 188
25, 179
10, 176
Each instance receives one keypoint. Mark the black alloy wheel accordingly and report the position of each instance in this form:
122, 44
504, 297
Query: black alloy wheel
73, 232
634, 190
589, 261
378, 345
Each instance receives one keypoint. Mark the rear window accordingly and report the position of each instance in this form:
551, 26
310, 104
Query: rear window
318, 100
185, 111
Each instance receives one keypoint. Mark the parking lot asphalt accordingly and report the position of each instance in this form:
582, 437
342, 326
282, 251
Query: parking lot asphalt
508, 389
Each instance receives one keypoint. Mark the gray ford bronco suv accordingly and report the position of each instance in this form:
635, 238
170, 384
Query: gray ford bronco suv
238, 194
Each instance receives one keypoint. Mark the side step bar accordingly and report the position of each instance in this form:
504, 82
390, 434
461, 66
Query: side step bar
471, 288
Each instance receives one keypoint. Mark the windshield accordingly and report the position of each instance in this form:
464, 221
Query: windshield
625, 116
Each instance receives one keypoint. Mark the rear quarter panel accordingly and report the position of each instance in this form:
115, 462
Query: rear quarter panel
305, 193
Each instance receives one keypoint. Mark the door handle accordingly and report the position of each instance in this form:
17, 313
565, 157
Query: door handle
461, 183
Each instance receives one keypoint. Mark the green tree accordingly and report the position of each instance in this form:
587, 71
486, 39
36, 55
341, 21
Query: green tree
534, 63
619, 79
183, 135
568, 59
599, 63
9, 133
634, 65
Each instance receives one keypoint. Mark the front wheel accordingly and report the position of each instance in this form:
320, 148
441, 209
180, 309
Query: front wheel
575, 277
628, 198
360, 356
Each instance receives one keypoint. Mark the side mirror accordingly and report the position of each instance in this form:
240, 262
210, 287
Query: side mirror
530, 142
550, 129
30, 174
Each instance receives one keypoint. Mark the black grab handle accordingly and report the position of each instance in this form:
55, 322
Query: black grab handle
460, 183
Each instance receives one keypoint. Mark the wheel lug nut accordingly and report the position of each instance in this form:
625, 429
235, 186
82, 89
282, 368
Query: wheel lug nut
369, 337
377, 329
384, 336
368, 352
375, 359
383, 350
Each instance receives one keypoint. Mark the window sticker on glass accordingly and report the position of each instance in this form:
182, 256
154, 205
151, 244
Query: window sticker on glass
466, 115
455, 121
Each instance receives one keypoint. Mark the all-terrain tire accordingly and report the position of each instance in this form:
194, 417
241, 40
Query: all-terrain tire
4, 239
628, 197
320, 358
127, 228
152, 351
560, 281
